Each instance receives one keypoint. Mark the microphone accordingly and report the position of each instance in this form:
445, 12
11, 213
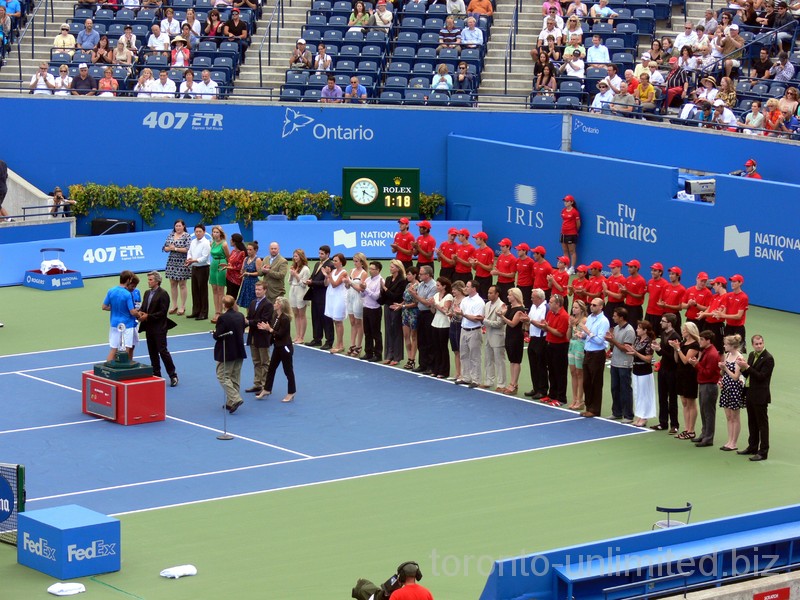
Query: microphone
226, 334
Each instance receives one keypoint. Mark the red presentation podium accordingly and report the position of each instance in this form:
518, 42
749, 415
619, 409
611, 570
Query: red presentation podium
128, 402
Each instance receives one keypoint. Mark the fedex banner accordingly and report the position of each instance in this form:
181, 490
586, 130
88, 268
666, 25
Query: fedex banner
629, 210
373, 238
92, 256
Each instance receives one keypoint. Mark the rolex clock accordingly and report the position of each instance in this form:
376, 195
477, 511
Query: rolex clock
380, 193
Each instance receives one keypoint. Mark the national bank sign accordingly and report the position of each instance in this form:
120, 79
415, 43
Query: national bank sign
295, 121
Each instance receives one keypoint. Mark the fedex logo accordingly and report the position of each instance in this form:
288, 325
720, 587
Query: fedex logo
39, 548
96, 550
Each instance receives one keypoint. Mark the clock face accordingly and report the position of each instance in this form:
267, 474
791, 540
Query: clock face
364, 191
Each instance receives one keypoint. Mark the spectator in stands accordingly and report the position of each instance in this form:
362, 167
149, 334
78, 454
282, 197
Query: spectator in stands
102, 53
623, 102
677, 84
597, 54
761, 66
480, 8
246, 4
656, 53
236, 30
471, 311
169, 24
331, 93
84, 84
153, 5
602, 12
144, 83
129, 40
578, 9
301, 58
554, 14
788, 124
687, 38
657, 77
223, 4
553, 51
789, 102
667, 47
573, 27
381, 17
753, 119
180, 53
549, 5
214, 27
42, 82
703, 41
158, 40
542, 59
323, 62
188, 90
687, 60
708, 22
546, 83
749, 15
61, 204
63, 82
772, 117
767, 18
190, 36
207, 88
727, 92
602, 98
122, 56
706, 92
613, 80
471, 37
573, 67
107, 86
723, 117
191, 20
13, 10
449, 36
550, 30
646, 93
644, 65
633, 82
465, 81
727, 44
783, 70
163, 87
355, 93
783, 19
442, 81
65, 41
574, 44
704, 115
88, 38
456, 8
359, 18
134, 5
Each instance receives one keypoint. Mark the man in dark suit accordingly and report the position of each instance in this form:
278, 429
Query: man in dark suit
757, 370
320, 324
259, 311
153, 321
229, 352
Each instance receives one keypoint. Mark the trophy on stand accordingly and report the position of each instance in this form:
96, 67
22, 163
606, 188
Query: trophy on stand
122, 367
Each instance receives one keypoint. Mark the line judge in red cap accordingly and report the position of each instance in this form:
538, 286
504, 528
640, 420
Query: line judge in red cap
463, 256
524, 273
505, 269
403, 244
445, 254
558, 280
541, 269
570, 226
425, 246
656, 287
614, 296
483, 263
634, 289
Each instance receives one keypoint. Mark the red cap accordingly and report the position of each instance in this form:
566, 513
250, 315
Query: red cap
582, 269
596, 264
702, 275
677, 270
738, 278
673, 60
615, 263
452, 231
568, 198
504, 242
403, 220
750, 163
425, 224
523, 246
657, 266
464, 232
720, 280
563, 259
540, 250
481, 236
634, 263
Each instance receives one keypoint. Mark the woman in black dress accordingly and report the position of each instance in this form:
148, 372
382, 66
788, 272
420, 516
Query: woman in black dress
392, 293
686, 353
281, 329
515, 318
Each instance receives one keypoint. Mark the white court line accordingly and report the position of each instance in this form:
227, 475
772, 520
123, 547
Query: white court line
61, 385
325, 456
87, 346
38, 427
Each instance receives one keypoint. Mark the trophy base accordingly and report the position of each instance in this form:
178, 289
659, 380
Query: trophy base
122, 368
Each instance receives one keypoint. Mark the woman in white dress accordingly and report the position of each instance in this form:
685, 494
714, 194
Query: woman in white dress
644, 390
355, 303
298, 274
335, 278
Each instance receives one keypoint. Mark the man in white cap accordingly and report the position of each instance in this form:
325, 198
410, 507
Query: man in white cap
83, 84
642, 67
301, 57
723, 116
730, 46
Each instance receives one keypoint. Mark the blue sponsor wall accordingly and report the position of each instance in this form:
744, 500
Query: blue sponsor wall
222, 145
627, 211
695, 149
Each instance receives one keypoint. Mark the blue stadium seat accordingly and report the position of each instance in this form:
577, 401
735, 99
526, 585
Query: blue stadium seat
411, 24
311, 95
337, 21
543, 102
349, 51
631, 33
342, 7
615, 44
777, 90
391, 97
140, 30
417, 10
321, 7
429, 38
316, 21
437, 10
372, 52
760, 89
602, 28
376, 37
354, 37
367, 67
81, 14
461, 99
568, 102
146, 15
447, 54
96, 71
181, 4
312, 37
439, 99
434, 24
405, 53
82, 56
205, 5
104, 15
346, 67
115, 31
409, 38
155, 60
60, 58
332, 35
317, 81
623, 60
101, 27
296, 79
742, 87
290, 95
342, 80
415, 97
419, 83
570, 88
399, 68
395, 82
427, 54
646, 19
423, 68
175, 74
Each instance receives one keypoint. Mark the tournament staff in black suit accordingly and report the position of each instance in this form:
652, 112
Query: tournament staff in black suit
758, 370
259, 311
320, 324
229, 352
153, 321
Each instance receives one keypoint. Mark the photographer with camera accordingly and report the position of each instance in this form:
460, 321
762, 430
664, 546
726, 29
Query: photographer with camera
61, 204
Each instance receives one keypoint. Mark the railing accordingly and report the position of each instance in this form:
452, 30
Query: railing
31, 26
277, 13
511, 44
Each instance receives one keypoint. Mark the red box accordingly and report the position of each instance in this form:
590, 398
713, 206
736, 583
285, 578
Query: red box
127, 402
779, 594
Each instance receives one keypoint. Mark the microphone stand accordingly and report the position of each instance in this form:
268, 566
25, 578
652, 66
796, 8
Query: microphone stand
224, 435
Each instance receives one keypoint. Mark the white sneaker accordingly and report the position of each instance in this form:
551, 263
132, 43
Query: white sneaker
1, 325
571, 271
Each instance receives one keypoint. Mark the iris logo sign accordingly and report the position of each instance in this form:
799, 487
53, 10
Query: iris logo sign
525, 197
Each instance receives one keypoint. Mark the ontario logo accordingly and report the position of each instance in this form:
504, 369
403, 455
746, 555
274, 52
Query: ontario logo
578, 125
525, 197
294, 121
769, 246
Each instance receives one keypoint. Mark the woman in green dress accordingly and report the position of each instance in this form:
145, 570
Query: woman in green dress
219, 261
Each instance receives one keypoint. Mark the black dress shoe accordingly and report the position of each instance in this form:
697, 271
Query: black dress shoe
419, 370
530, 394
233, 408
472, 385
314, 343
194, 316
365, 357
746, 451
538, 396
703, 444
253, 390
758, 457
173, 381
326, 347
201, 318
374, 359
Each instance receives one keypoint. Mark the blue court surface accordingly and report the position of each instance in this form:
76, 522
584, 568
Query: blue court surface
349, 419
